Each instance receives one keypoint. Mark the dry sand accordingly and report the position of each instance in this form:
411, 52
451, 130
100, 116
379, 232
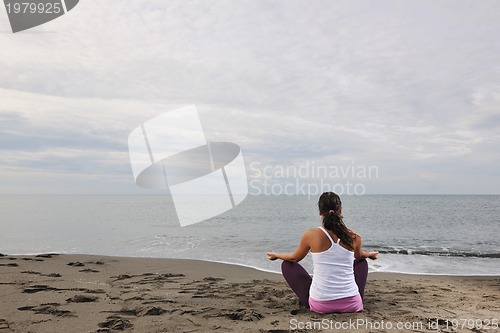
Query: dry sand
83, 293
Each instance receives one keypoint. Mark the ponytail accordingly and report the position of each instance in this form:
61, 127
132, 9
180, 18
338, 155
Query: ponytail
334, 222
329, 205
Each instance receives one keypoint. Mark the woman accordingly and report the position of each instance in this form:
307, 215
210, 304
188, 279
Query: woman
340, 268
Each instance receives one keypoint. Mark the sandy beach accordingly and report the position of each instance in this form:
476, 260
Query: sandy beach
52, 293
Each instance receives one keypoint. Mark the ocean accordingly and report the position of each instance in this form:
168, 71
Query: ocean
417, 234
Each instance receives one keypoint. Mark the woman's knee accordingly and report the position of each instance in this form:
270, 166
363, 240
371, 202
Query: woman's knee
289, 269
361, 263
286, 266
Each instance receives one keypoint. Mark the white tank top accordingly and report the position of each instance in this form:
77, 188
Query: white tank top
333, 273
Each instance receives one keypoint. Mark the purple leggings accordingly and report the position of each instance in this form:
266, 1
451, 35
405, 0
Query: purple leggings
300, 281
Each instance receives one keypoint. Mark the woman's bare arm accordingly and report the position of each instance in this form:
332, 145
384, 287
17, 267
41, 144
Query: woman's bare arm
359, 253
299, 253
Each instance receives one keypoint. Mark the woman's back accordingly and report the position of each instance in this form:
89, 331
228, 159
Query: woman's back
333, 275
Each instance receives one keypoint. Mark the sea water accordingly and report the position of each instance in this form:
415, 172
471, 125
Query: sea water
422, 234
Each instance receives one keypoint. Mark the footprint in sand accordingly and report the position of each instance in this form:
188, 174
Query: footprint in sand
48, 308
52, 275
245, 315
37, 288
116, 323
4, 324
82, 299
38, 273
236, 314
76, 264
47, 255
142, 311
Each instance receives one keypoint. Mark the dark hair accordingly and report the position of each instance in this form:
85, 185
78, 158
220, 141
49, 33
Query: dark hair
329, 205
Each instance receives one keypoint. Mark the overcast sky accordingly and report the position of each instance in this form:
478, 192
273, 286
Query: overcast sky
412, 87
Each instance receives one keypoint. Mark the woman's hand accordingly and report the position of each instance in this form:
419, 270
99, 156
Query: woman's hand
372, 255
272, 256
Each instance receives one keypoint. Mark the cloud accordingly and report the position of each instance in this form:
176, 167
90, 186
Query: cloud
411, 87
